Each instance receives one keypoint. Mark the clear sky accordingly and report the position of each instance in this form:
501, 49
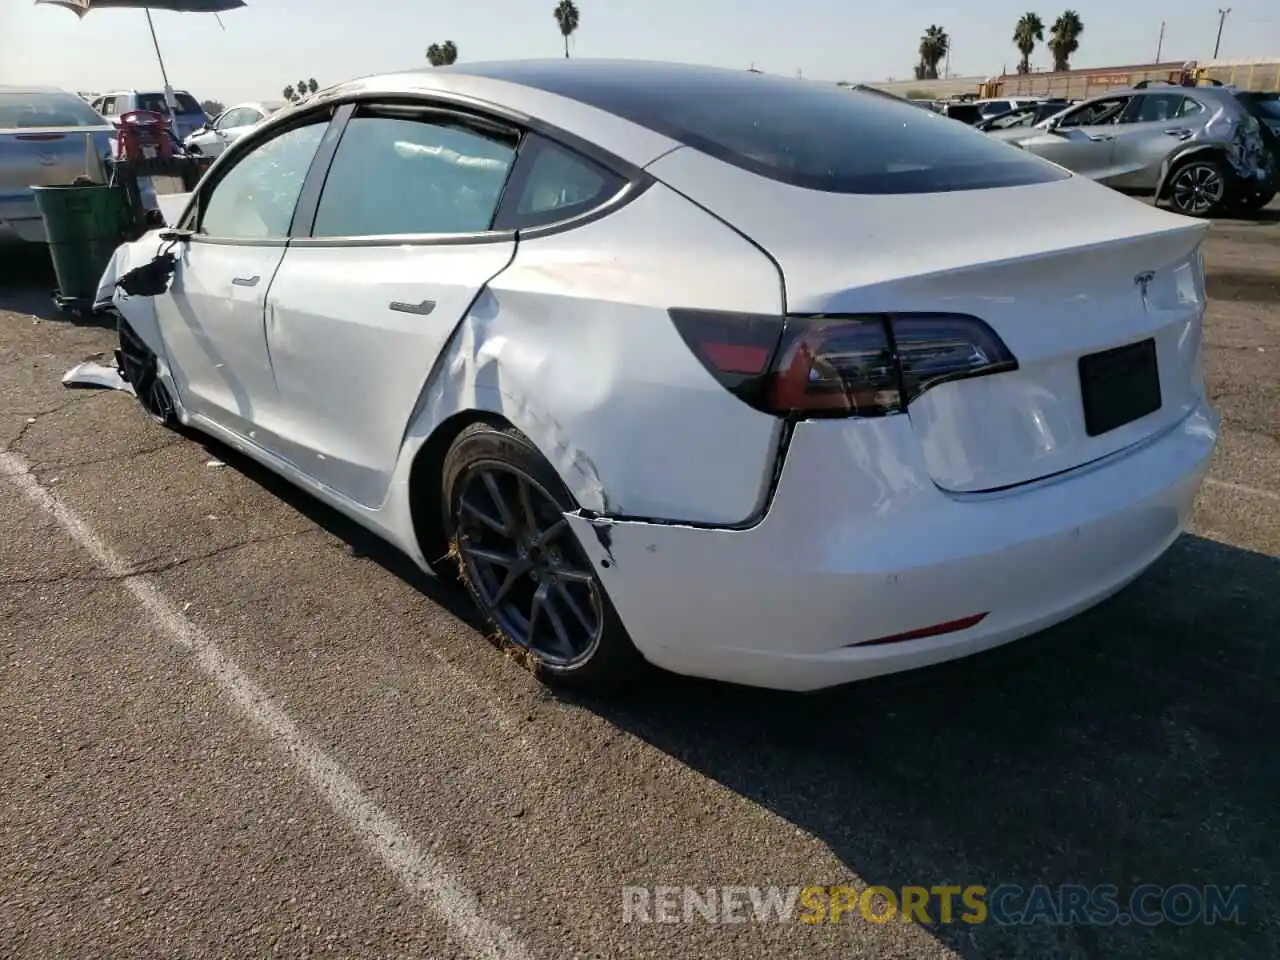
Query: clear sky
271, 43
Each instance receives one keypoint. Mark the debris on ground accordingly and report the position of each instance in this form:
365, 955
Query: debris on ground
92, 374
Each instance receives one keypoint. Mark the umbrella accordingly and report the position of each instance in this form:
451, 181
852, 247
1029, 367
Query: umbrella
81, 7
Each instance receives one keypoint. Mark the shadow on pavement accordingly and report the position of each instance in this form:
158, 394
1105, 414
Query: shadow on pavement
448, 594
27, 283
1132, 745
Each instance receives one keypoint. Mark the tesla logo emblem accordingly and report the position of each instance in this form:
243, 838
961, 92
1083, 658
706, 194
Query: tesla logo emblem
48, 159
1143, 281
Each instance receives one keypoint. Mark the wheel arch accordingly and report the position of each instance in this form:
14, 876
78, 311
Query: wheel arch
426, 473
1185, 155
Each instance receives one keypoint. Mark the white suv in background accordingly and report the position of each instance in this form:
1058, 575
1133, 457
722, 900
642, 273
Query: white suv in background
189, 117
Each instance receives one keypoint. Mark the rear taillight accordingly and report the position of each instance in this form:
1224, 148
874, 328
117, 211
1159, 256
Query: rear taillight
864, 366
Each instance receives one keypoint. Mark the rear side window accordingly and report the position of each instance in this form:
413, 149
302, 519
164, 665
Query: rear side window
411, 175
810, 135
554, 184
1266, 106
1154, 108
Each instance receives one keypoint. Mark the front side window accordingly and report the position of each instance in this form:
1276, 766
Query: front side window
403, 171
256, 198
233, 118
1097, 113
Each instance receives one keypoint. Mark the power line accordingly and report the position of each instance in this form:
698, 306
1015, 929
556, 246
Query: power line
1222, 18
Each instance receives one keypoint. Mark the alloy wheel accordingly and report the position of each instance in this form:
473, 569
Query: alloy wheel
1198, 188
526, 566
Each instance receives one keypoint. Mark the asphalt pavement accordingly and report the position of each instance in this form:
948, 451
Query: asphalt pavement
233, 725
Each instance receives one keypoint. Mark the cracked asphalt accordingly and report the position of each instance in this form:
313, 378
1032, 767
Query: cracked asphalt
143, 814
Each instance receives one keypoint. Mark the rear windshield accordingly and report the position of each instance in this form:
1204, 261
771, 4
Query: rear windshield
802, 133
154, 103
1267, 106
47, 110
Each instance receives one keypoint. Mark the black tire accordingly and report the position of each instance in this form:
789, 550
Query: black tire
1200, 187
1256, 200
137, 365
502, 499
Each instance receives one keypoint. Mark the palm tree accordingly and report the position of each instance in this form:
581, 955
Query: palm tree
1026, 34
567, 17
289, 93
312, 85
1064, 39
933, 50
442, 54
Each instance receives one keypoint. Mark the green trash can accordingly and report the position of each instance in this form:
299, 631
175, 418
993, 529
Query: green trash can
83, 225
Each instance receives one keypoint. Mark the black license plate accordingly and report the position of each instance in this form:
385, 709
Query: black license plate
1119, 386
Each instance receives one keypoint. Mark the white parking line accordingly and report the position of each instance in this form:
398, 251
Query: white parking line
420, 873
1241, 488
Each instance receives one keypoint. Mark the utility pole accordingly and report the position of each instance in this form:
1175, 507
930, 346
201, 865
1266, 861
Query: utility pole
1160, 42
1222, 18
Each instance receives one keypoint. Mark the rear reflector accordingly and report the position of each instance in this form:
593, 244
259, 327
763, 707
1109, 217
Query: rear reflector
839, 366
951, 626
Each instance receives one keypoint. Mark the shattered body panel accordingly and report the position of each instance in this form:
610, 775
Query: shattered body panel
573, 345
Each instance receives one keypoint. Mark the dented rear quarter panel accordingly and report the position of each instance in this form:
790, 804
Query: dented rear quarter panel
572, 344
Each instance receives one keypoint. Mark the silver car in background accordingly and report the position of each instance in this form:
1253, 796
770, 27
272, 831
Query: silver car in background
229, 126
1199, 148
42, 143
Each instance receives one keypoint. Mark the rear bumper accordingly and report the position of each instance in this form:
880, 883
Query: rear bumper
857, 546
20, 219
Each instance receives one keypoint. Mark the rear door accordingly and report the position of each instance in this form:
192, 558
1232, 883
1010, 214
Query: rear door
402, 245
212, 317
1151, 128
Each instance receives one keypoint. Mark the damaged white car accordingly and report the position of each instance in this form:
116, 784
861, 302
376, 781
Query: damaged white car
741, 376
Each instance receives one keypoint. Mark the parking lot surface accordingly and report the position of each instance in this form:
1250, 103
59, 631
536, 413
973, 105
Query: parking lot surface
233, 725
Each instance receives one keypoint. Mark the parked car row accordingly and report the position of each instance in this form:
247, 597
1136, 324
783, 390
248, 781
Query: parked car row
1201, 149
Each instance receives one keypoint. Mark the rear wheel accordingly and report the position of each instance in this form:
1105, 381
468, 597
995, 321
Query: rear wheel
504, 509
1199, 188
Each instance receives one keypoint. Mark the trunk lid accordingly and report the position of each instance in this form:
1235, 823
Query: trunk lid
46, 156
1059, 270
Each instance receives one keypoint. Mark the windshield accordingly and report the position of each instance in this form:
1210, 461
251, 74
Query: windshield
805, 134
154, 103
1024, 117
44, 109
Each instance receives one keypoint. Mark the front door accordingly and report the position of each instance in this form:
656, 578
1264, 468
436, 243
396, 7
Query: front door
212, 317
358, 313
1083, 139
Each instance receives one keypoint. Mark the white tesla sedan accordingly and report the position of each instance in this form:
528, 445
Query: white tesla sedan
746, 377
